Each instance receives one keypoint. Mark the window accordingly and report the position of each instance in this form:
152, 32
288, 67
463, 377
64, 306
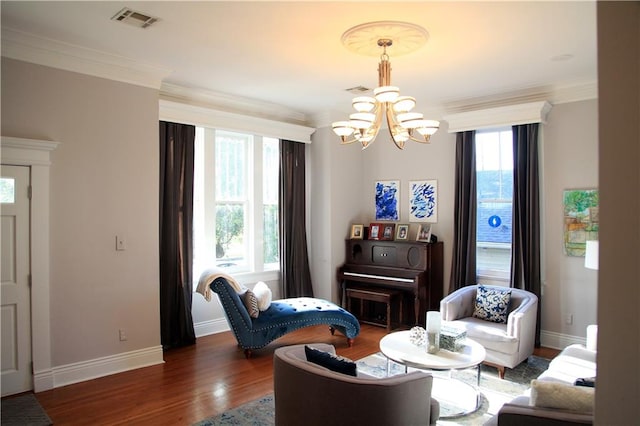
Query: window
235, 221
494, 180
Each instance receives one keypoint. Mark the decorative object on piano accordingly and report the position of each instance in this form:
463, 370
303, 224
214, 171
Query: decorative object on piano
402, 232
388, 231
417, 336
375, 231
452, 338
387, 200
423, 201
434, 320
357, 232
424, 233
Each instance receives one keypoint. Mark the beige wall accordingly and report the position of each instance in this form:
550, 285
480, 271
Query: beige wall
104, 182
618, 382
570, 161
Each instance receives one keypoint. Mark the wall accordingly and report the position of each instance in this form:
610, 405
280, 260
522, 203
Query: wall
104, 182
618, 388
569, 160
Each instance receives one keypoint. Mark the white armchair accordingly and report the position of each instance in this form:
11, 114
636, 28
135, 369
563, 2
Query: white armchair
507, 345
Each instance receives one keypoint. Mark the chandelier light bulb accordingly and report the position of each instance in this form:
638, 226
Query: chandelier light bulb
410, 120
404, 104
342, 128
364, 103
361, 120
386, 93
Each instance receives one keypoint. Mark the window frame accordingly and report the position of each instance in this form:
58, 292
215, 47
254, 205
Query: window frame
254, 269
492, 275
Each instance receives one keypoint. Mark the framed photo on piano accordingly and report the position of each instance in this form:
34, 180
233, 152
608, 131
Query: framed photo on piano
424, 233
402, 233
376, 231
357, 232
388, 231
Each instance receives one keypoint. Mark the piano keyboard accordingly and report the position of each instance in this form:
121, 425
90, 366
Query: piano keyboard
379, 277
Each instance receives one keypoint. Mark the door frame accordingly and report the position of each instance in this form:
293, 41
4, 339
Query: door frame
36, 155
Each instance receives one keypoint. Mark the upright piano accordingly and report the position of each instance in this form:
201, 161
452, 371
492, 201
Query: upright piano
415, 268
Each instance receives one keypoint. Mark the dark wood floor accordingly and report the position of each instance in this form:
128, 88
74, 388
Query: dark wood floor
194, 382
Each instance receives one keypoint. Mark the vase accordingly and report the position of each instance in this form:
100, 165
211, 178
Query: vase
434, 320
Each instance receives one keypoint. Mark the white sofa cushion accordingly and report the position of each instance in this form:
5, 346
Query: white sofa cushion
561, 396
491, 335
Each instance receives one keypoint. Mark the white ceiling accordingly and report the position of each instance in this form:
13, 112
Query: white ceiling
289, 54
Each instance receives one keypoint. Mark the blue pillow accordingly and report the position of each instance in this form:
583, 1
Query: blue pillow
492, 304
332, 362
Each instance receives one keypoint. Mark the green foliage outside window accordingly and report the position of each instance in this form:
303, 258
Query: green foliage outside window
229, 225
271, 249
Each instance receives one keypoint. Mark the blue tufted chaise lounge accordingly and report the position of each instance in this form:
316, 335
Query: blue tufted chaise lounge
282, 317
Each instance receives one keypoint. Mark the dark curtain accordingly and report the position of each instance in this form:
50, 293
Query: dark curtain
294, 261
463, 264
176, 223
525, 258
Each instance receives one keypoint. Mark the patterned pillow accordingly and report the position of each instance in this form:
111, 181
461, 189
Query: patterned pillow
332, 362
250, 302
492, 304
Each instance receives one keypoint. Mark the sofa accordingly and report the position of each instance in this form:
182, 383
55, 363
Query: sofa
508, 343
554, 399
309, 394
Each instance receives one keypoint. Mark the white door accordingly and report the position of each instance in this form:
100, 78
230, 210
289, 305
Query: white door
15, 319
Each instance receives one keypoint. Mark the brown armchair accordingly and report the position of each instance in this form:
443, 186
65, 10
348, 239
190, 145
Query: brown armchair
306, 393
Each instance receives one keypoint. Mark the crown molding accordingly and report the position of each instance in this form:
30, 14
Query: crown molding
170, 110
56, 54
235, 104
511, 115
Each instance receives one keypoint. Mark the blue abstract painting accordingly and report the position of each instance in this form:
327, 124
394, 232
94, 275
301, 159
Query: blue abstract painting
423, 201
387, 200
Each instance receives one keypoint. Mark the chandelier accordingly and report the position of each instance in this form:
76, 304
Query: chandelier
387, 104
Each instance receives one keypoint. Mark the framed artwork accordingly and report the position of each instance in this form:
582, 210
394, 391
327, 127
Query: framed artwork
423, 201
387, 200
402, 232
424, 233
388, 231
375, 231
581, 220
357, 232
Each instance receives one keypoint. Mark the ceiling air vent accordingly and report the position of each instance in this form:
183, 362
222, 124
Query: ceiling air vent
132, 17
358, 90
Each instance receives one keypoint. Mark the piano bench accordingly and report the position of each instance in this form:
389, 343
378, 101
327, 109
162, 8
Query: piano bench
376, 295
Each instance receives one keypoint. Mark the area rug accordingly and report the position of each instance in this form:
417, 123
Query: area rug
494, 392
23, 410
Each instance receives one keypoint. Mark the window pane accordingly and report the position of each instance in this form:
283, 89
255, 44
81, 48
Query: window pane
231, 167
230, 229
270, 185
271, 246
494, 173
270, 170
7, 190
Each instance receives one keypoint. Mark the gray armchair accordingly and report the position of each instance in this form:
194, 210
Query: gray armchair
507, 345
306, 393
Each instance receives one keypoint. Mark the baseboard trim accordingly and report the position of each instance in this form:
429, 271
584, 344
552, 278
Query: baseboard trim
551, 339
215, 326
99, 367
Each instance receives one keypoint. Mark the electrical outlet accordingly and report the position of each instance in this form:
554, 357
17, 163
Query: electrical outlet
568, 319
123, 335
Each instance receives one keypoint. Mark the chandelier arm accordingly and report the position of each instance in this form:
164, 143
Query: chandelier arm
391, 124
425, 139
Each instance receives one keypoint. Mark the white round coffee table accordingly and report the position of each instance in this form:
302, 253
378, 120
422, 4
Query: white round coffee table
397, 347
